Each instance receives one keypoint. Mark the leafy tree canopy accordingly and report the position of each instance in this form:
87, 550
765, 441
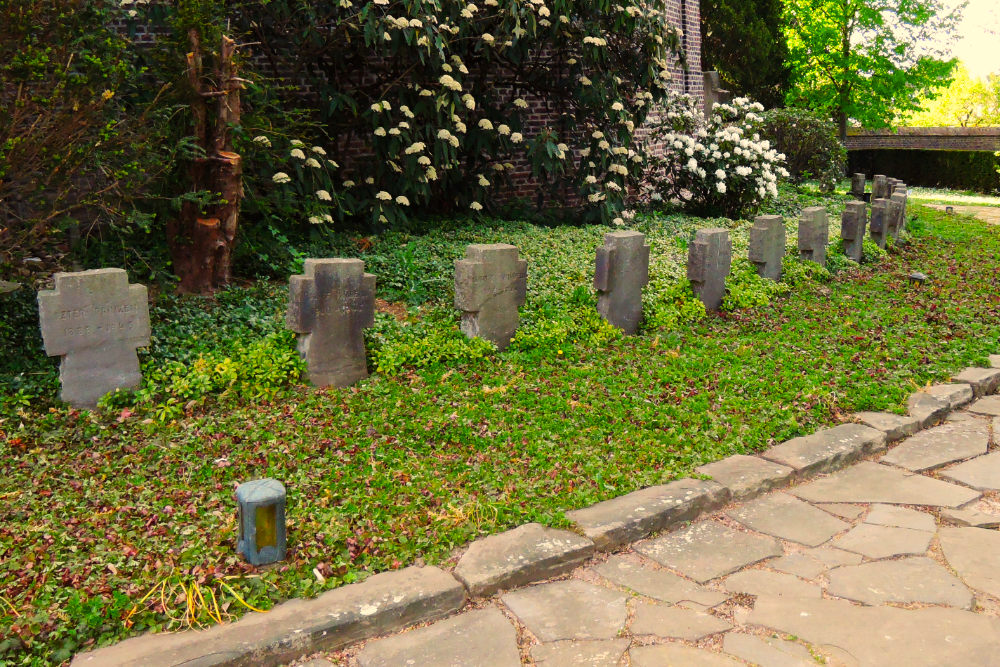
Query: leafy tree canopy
869, 61
743, 41
968, 102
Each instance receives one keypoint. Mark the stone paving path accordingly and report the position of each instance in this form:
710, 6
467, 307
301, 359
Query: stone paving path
894, 560
988, 214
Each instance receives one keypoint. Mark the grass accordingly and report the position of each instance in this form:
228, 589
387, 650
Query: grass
117, 521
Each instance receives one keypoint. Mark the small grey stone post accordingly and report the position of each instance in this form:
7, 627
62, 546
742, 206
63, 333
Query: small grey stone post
767, 245
858, 186
709, 259
621, 271
814, 234
330, 305
490, 285
852, 229
95, 321
877, 227
262, 534
880, 187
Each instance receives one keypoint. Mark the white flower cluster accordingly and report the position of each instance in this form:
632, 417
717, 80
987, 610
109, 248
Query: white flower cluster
719, 163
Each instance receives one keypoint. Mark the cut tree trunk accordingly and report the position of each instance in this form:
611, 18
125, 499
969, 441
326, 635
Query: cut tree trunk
202, 238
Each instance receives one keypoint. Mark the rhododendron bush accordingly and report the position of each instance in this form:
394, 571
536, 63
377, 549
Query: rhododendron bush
716, 165
434, 95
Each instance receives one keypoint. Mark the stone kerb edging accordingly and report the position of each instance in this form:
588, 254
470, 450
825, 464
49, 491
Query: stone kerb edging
391, 601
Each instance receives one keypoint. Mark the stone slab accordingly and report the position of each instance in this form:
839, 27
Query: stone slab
972, 518
900, 517
990, 405
675, 622
885, 635
708, 550
984, 381
478, 638
570, 609
843, 510
490, 286
981, 473
799, 564
903, 581
941, 445
600, 653
869, 482
651, 581
763, 582
833, 557
995, 361
787, 517
527, 554
664, 655
747, 476
974, 554
926, 408
767, 652
884, 541
895, 427
827, 449
620, 521
954, 395
383, 603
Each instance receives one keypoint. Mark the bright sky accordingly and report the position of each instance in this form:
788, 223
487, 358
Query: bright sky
978, 43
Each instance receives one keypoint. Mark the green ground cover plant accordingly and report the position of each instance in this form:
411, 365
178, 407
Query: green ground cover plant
122, 519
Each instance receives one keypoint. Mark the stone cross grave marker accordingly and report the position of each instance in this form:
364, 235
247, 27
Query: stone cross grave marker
329, 306
896, 215
880, 187
852, 229
95, 321
767, 245
877, 227
621, 271
858, 186
709, 259
814, 234
490, 285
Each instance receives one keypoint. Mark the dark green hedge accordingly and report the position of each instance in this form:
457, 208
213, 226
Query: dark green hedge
965, 170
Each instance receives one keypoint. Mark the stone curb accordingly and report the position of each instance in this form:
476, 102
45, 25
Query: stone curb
381, 604
391, 601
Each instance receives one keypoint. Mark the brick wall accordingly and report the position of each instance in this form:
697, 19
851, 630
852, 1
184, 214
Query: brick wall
926, 138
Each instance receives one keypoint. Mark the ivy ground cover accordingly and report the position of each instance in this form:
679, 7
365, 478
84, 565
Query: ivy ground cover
117, 521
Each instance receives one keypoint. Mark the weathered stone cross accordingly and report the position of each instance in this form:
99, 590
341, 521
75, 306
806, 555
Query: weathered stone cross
330, 306
621, 271
95, 321
767, 245
814, 234
852, 229
710, 257
490, 285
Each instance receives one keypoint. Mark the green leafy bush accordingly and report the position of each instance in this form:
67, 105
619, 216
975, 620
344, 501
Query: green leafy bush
810, 144
796, 272
669, 303
553, 329
746, 289
434, 339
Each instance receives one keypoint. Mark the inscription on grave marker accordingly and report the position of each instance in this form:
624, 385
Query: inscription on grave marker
95, 321
852, 229
814, 234
621, 271
329, 306
767, 245
490, 285
710, 257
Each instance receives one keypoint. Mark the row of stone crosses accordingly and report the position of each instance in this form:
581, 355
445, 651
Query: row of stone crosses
94, 320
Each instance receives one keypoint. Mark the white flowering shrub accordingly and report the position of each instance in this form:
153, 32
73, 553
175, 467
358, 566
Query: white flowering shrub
434, 96
717, 165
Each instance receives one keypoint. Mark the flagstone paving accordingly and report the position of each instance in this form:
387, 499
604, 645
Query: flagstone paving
894, 561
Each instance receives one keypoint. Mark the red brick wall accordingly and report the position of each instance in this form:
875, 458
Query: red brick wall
926, 138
